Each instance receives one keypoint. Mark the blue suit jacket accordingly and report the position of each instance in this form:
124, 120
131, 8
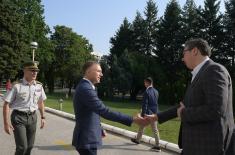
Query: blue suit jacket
150, 101
88, 108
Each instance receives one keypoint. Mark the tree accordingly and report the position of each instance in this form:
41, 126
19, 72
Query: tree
12, 43
32, 11
71, 52
151, 27
36, 30
121, 73
211, 27
105, 88
122, 39
229, 44
138, 35
169, 44
169, 38
190, 20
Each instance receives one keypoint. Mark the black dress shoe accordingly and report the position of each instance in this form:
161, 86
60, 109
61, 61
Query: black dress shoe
156, 148
135, 141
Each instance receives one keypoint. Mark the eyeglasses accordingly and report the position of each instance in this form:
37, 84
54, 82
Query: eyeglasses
186, 50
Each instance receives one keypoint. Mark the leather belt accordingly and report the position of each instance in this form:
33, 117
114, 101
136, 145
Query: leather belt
24, 112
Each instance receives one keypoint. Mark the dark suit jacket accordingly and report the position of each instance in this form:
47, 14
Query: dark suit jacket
207, 121
150, 101
88, 108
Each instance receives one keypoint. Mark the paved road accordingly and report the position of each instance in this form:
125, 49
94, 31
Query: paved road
55, 139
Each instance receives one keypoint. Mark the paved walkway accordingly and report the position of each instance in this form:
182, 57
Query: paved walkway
55, 139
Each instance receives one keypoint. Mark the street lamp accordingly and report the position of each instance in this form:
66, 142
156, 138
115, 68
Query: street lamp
34, 46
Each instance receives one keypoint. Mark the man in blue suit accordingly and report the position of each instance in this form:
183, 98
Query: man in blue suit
88, 108
149, 107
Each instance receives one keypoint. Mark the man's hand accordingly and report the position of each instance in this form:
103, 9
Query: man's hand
43, 121
180, 109
140, 120
151, 118
8, 127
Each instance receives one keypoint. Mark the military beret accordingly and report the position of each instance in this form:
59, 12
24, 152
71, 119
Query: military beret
31, 65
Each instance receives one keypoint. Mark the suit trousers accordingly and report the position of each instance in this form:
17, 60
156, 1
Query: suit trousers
24, 131
87, 151
155, 132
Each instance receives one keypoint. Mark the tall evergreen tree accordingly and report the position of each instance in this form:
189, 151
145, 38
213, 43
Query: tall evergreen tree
169, 38
190, 22
151, 27
122, 39
138, 35
229, 43
121, 70
12, 45
169, 44
144, 41
212, 28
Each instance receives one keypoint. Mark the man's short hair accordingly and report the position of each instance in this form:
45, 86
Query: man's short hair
149, 80
87, 65
201, 44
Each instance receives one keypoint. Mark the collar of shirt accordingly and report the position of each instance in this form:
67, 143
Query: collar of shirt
198, 67
90, 83
25, 82
149, 87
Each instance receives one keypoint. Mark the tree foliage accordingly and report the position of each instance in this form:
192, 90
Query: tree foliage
71, 51
147, 46
12, 42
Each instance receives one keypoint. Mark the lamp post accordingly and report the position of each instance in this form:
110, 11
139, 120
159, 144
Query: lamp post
34, 46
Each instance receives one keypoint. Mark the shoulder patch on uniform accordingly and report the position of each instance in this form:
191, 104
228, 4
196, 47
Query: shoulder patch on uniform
37, 82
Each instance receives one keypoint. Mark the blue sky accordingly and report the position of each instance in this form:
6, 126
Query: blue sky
98, 20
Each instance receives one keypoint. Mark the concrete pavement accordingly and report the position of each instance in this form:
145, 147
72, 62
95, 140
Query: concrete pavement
55, 139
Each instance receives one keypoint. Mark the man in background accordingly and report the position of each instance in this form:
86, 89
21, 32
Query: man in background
149, 106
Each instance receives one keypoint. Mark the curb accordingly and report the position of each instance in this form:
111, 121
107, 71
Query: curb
129, 134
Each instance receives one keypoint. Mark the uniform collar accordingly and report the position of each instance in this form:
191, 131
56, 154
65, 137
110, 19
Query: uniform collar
25, 82
90, 83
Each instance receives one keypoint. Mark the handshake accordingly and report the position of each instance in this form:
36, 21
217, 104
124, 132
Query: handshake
147, 119
144, 121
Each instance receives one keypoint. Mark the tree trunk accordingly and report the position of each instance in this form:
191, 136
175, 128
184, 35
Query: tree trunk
133, 94
70, 88
50, 80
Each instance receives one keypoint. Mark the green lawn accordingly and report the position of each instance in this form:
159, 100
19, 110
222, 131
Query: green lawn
168, 131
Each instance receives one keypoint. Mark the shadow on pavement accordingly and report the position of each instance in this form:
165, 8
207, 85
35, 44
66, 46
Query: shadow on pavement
126, 146
67, 147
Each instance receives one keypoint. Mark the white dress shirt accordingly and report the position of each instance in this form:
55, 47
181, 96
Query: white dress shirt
198, 67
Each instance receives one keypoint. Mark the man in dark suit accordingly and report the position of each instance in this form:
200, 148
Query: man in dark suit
206, 111
88, 108
149, 106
